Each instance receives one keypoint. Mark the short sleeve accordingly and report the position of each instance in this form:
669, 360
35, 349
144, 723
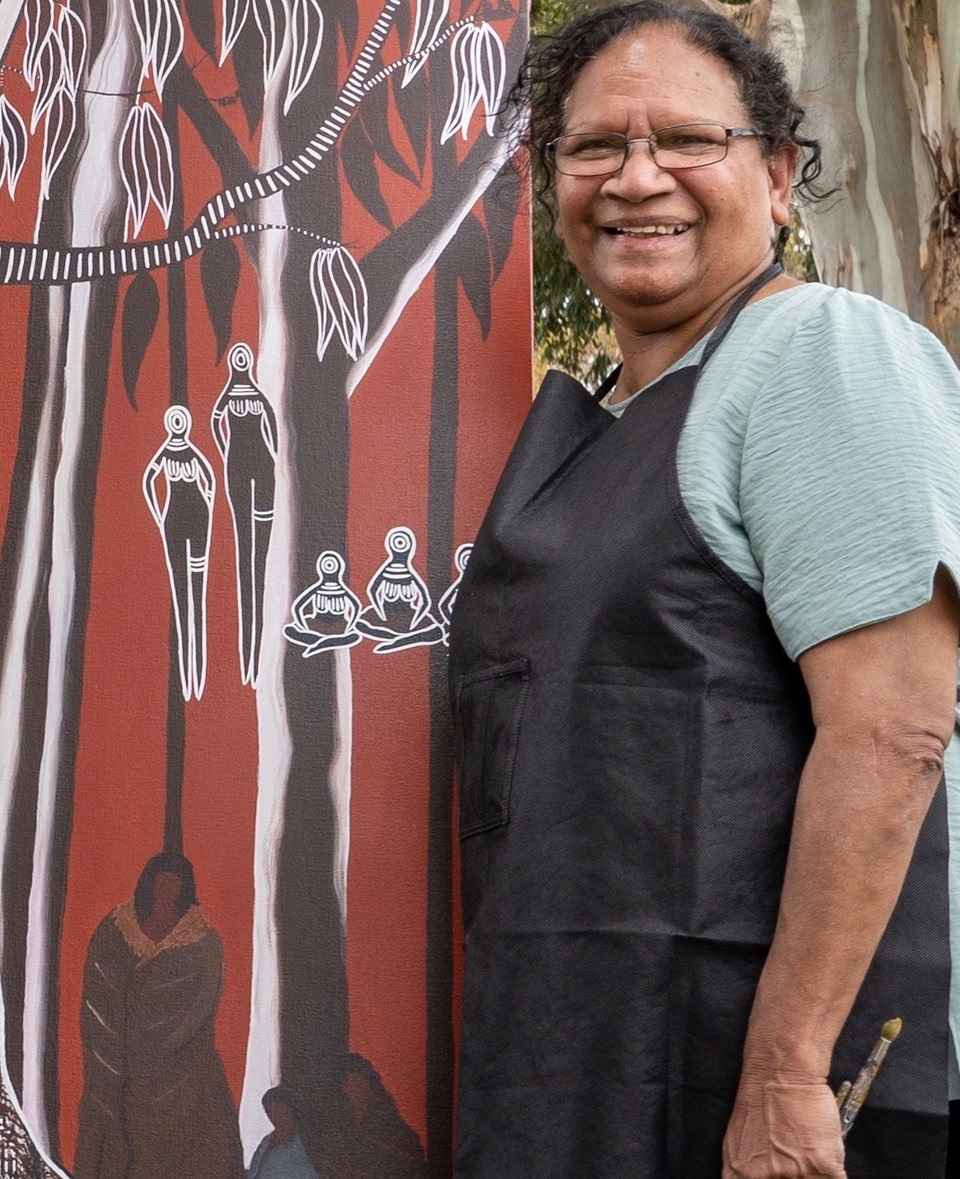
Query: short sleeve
850, 472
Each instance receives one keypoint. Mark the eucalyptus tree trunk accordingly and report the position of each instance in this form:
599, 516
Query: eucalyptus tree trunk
881, 83
49, 588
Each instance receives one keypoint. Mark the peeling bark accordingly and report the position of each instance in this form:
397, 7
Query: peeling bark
883, 94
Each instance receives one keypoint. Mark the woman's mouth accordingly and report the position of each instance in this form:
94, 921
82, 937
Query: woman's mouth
648, 231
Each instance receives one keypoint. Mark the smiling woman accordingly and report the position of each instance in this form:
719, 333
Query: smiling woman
703, 664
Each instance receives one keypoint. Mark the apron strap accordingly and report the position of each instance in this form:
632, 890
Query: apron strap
607, 383
719, 333
725, 324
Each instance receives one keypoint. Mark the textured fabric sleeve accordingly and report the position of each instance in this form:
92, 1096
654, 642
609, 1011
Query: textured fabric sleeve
850, 472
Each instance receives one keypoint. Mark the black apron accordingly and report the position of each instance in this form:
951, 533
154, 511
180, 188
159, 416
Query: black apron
631, 735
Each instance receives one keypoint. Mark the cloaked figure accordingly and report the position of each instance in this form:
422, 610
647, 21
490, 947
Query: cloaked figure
184, 515
447, 602
352, 1128
245, 430
325, 613
156, 1103
399, 611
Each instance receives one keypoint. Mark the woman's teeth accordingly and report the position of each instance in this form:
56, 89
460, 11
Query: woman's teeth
653, 230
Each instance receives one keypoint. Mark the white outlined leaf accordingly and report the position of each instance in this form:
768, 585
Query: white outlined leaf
491, 65
131, 169
144, 21
324, 317
340, 295
61, 122
157, 158
167, 41
146, 165
306, 25
350, 289
431, 15
269, 15
39, 16
50, 76
466, 85
234, 18
13, 145
73, 38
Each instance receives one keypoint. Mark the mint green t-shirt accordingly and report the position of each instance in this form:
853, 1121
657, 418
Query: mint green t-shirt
820, 460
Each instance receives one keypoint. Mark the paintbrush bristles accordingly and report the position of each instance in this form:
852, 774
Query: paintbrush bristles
891, 1029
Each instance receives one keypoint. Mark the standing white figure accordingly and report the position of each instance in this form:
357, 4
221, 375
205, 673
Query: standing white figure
185, 519
447, 602
324, 614
245, 430
399, 611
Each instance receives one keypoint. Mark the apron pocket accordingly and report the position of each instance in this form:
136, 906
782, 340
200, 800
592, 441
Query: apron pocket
490, 705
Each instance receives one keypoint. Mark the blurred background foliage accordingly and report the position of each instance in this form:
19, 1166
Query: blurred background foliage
571, 330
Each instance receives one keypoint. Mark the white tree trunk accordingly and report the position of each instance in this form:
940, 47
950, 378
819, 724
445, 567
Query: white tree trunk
274, 739
97, 194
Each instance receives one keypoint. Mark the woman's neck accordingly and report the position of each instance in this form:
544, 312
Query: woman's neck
647, 354
160, 923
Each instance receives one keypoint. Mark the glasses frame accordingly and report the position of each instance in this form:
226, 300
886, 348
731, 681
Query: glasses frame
651, 142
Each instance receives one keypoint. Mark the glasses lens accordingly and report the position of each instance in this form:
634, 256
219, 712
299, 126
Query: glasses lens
589, 153
689, 146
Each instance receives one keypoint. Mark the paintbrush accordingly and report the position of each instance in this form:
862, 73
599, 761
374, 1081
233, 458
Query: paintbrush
852, 1094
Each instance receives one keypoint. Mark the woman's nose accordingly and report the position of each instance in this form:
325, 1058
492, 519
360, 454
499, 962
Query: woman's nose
640, 175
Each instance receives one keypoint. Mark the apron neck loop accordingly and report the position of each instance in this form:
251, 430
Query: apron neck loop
725, 324
607, 383
720, 332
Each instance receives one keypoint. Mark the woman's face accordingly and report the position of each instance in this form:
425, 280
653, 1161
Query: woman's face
166, 889
722, 217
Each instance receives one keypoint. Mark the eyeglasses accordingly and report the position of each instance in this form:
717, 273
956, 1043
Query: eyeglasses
603, 153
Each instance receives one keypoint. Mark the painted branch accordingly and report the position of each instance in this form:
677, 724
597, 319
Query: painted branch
29, 263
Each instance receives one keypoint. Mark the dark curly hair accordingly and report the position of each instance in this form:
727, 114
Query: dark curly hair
554, 62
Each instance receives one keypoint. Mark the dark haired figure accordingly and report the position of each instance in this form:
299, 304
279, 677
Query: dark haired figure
155, 1100
703, 658
281, 1154
354, 1130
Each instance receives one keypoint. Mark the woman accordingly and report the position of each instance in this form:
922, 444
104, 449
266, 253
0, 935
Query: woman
703, 661
155, 1099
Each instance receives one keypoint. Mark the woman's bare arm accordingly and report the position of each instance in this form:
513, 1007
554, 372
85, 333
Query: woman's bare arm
883, 701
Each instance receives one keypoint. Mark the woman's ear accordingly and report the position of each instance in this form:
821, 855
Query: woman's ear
781, 167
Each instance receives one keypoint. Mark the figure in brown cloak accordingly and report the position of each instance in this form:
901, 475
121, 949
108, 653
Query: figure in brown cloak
155, 1101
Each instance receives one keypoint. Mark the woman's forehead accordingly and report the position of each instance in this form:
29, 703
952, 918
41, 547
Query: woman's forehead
655, 66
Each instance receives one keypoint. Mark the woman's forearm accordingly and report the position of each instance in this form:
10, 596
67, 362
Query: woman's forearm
863, 795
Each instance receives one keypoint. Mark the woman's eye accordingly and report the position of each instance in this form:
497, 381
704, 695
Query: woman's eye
596, 145
685, 141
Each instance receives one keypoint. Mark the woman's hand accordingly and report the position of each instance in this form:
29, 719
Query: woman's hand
782, 1129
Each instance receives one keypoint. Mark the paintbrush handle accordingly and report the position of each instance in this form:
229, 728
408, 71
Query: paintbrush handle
856, 1094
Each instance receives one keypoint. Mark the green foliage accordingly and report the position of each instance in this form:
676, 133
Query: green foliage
571, 329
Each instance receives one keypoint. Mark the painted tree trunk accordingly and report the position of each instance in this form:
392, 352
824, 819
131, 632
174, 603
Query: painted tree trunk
54, 598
